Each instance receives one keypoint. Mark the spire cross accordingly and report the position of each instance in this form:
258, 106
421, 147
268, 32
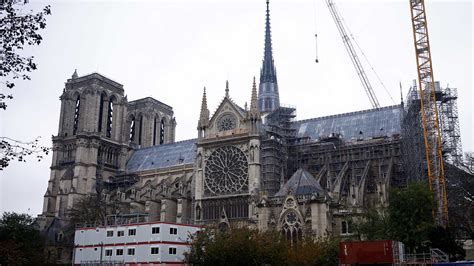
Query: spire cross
227, 88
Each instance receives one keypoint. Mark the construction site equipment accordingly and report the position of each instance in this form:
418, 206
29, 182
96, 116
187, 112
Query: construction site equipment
371, 252
353, 55
386, 252
429, 111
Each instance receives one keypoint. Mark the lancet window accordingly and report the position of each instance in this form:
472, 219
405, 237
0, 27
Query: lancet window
162, 131
76, 115
292, 226
110, 117
132, 129
101, 112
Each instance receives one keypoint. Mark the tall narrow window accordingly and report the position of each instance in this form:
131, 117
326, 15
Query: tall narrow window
101, 112
154, 131
140, 129
76, 115
132, 129
110, 117
162, 131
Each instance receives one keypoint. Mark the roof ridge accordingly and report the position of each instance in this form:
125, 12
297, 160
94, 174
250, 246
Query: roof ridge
349, 113
153, 99
167, 144
84, 77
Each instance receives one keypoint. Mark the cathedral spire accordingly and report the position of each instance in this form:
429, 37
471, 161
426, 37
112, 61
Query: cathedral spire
268, 88
268, 69
204, 116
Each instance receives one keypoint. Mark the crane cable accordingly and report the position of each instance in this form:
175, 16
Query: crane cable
366, 59
315, 33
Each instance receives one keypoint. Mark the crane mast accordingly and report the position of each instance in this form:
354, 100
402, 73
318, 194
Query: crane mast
353, 55
429, 111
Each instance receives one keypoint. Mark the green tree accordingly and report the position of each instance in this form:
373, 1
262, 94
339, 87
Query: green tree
409, 219
314, 251
20, 240
238, 246
244, 246
410, 215
374, 225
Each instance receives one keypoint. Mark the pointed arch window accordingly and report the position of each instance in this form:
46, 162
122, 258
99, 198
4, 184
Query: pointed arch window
291, 227
101, 112
162, 131
155, 129
132, 129
76, 115
140, 129
110, 117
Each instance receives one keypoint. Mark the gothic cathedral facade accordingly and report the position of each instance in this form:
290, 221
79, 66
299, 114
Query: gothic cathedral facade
249, 166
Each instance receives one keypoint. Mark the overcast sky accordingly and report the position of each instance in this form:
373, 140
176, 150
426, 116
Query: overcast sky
171, 50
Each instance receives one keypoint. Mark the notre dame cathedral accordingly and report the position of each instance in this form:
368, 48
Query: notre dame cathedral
249, 165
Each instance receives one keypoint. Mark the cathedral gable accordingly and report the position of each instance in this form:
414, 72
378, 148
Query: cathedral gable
228, 116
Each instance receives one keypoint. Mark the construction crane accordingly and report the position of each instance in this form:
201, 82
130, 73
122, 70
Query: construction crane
429, 111
353, 55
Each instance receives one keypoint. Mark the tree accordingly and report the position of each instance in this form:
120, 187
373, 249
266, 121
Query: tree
322, 251
460, 187
20, 240
11, 149
17, 30
374, 225
409, 219
410, 215
244, 246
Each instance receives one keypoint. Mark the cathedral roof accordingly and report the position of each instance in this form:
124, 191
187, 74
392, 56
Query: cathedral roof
300, 183
167, 155
385, 121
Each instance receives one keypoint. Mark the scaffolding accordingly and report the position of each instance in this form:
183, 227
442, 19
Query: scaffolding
278, 134
450, 132
414, 159
413, 132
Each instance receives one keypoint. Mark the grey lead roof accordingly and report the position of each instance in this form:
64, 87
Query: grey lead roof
167, 155
356, 125
300, 183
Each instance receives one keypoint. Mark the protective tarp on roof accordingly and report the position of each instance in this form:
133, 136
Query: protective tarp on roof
167, 155
301, 183
356, 125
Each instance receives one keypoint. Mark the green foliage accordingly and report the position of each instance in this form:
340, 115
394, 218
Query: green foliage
20, 241
314, 251
411, 217
375, 224
243, 246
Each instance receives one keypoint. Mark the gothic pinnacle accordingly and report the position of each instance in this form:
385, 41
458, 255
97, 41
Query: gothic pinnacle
204, 116
254, 98
74, 75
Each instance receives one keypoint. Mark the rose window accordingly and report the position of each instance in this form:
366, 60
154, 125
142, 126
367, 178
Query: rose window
226, 172
226, 122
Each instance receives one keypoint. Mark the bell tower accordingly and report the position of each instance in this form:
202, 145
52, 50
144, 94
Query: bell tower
90, 145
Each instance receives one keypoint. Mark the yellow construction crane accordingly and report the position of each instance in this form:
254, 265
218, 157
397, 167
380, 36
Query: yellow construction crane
429, 111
